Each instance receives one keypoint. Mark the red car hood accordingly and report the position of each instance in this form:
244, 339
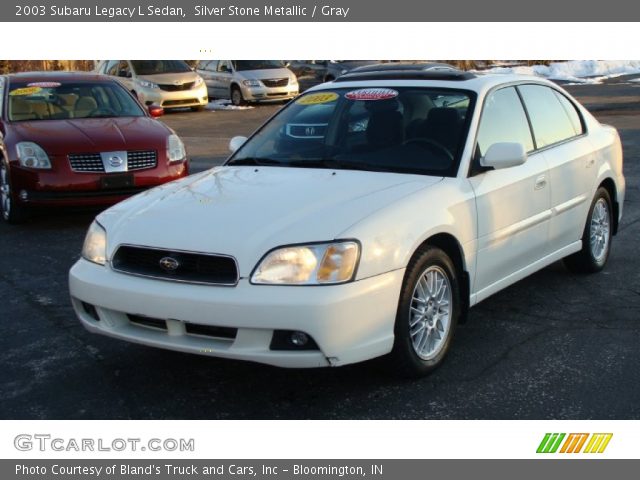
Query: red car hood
59, 137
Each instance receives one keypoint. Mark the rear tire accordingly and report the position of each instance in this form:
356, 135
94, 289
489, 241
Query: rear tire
236, 97
428, 313
596, 237
10, 210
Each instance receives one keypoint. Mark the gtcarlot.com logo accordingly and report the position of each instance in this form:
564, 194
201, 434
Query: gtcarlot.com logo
574, 443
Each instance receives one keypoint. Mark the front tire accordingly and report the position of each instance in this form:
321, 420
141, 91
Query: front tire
596, 237
428, 313
11, 211
236, 96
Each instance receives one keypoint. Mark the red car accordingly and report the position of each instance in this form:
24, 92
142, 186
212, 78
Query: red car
73, 139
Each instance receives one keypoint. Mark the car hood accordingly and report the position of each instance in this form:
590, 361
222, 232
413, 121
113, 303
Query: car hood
170, 78
265, 73
60, 137
247, 211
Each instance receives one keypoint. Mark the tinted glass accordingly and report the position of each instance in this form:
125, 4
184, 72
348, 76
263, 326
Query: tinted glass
57, 101
549, 120
503, 120
112, 68
404, 130
152, 67
572, 113
257, 64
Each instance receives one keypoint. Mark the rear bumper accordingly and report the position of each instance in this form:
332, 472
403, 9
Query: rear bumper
350, 323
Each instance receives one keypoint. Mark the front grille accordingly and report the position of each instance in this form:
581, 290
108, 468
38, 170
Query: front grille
177, 266
275, 82
142, 159
92, 162
86, 162
210, 331
176, 88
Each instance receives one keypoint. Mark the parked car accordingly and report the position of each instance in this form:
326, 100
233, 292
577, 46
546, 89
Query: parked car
72, 139
167, 83
364, 219
309, 72
244, 81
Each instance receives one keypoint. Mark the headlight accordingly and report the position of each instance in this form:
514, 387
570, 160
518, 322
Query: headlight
146, 84
95, 244
321, 264
251, 83
31, 155
199, 81
175, 149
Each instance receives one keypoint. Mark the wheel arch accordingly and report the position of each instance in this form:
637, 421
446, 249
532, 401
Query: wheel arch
451, 246
610, 186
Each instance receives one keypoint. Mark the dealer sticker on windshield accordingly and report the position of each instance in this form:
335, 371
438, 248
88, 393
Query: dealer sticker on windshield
317, 98
368, 94
44, 84
25, 91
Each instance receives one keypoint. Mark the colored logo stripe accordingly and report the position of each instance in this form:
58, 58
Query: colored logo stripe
597, 442
550, 443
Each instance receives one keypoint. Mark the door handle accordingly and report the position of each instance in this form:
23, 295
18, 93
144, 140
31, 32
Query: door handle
541, 182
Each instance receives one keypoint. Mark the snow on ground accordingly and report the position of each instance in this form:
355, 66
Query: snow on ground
576, 71
224, 105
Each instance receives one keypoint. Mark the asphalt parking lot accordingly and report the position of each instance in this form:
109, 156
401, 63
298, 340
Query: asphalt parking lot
554, 346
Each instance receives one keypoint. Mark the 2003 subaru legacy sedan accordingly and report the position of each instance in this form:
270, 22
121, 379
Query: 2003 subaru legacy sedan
364, 219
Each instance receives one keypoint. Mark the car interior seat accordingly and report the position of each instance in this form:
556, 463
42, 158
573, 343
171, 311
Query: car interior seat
84, 106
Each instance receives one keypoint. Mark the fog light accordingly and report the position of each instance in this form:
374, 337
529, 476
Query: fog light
24, 196
299, 339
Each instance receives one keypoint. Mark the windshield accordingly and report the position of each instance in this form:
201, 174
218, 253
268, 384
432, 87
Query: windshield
38, 101
403, 130
153, 67
257, 64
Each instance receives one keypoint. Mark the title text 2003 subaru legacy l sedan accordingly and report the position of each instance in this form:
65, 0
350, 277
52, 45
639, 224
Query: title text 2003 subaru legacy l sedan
364, 219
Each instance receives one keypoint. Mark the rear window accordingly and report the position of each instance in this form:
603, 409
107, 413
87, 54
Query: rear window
403, 130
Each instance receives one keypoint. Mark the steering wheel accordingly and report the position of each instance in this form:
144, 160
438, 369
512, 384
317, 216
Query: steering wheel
430, 145
96, 112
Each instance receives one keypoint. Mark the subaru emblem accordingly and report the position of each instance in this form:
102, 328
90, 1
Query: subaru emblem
169, 264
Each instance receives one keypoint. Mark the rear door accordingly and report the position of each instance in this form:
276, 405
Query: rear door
559, 132
513, 204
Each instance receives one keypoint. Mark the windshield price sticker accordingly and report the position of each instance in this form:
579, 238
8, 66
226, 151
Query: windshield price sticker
317, 98
369, 94
44, 84
25, 91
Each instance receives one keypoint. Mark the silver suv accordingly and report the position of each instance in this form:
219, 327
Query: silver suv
245, 81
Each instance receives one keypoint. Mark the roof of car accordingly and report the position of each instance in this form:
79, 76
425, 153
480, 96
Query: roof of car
56, 76
475, 82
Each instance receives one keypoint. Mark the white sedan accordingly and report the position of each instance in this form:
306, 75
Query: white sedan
364, 219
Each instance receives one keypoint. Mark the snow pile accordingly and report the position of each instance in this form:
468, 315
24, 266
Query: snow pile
576, 71
224, 105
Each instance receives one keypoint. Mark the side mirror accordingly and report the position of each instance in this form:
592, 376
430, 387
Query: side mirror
156, 111
504, 155
236, 143
124, 74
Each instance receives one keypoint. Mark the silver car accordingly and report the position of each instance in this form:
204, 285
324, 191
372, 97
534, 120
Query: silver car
167, 83
245, 81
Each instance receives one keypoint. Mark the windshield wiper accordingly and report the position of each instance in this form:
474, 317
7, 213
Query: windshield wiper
254, 161
338, 165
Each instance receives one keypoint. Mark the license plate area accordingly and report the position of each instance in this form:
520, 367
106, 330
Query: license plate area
112, 182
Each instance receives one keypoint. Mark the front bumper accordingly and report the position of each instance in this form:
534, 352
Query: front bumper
62, 186
350, 323
194, 97
267, 94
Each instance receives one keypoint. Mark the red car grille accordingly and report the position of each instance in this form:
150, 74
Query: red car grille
275, 82
92, 162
